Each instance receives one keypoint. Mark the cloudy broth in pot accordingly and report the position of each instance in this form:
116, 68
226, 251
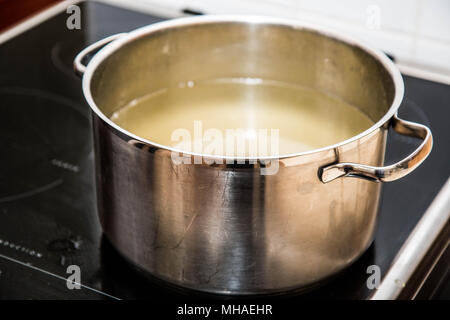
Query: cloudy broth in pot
301, 119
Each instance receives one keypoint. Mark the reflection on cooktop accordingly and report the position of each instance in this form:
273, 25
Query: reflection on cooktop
63, 53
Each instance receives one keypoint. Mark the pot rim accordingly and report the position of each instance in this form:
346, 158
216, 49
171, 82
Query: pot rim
115, 45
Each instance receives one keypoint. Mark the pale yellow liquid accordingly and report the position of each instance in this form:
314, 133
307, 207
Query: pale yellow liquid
306, 119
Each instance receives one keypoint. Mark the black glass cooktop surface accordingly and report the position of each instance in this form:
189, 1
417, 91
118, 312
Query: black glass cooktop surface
48, 215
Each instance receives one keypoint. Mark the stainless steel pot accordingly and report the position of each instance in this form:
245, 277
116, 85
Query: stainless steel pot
227, 228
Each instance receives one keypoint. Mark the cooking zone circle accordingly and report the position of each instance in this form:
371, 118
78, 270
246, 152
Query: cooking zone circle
36, 156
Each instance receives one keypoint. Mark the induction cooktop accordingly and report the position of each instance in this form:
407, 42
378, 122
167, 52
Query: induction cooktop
48, 218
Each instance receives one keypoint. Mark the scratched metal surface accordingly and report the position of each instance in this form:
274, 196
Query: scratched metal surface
47, 202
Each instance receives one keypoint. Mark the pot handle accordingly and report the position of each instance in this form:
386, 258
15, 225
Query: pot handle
391, 172
78, 65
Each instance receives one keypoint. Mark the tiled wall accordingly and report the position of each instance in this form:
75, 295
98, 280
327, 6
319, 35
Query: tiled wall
416, 32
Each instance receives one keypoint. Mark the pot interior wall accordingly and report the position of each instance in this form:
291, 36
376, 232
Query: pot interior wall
234, 50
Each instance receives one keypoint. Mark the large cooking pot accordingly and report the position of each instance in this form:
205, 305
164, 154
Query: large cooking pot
227, 228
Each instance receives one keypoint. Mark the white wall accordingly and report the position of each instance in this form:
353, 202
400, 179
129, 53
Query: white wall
416, 32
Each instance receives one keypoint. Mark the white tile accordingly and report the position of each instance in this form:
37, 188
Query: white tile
399, 44
288, 3
435, 19
398, 15
433, 53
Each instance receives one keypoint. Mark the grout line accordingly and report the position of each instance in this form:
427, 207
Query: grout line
56, 276
415, 33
